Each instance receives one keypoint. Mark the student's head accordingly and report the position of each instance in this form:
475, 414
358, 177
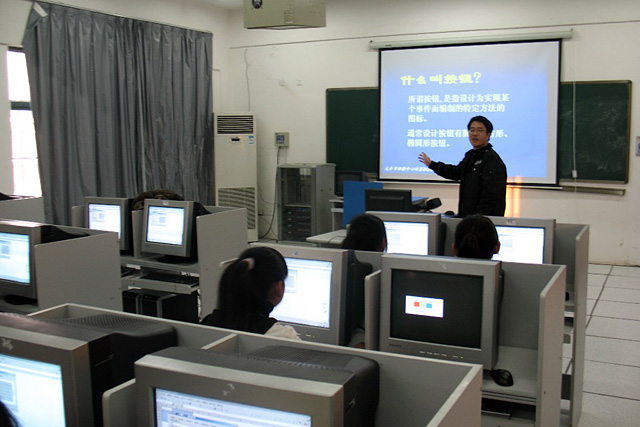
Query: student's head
253, 283
159, 194
6, 417
476, 237
480, 129
366, 233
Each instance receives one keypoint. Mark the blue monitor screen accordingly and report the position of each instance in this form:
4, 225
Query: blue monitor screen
14, 258
165, 225
307, 297
32, 391
175, 408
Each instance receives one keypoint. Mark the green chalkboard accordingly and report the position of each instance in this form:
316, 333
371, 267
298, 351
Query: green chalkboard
602, 128
353, 128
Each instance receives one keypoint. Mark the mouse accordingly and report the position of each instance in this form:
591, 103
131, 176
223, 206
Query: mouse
502, 377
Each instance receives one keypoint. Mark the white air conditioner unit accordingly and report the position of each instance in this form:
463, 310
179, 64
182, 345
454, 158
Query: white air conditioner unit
284, 14
236, 165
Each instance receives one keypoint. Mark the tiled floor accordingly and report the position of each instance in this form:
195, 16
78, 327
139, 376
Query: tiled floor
612, 355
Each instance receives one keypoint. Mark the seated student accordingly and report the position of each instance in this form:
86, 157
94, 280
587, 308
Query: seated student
160, 194
476, 237
366, 233
249, 289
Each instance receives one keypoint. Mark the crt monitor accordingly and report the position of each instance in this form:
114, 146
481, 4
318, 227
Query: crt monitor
18, 241
411, 233
383, 199
342, 176
526, 240
53, 372
169, 228
274, 386
314, 298
110, 214
440, 307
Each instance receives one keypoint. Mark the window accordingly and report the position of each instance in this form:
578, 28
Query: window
26, 176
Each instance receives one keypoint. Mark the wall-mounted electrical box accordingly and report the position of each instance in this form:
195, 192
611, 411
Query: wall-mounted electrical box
282, 139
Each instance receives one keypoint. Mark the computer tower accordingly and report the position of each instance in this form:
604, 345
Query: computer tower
131, 300
168, 305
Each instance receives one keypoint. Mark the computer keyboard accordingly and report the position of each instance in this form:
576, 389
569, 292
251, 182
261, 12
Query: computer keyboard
171, 277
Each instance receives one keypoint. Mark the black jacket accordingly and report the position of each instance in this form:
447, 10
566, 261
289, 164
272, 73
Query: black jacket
483, 181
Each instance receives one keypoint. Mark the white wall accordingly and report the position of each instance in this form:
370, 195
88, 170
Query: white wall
309, 61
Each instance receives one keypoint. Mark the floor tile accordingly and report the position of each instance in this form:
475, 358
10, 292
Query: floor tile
593, 292
590, 306
599, 268
616, 310
622, 282
611, 350
612, 380
614, 328
606, 411
620, 270
596, 280
621, 295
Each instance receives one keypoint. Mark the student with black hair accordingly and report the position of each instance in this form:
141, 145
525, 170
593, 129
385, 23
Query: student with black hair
366, 232
249, 289
482, 173
476, 237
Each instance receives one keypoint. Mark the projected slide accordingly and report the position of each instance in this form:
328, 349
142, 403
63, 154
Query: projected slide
429, 94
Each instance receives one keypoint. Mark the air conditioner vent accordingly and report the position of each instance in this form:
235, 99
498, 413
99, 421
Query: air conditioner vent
240, 197
232, 125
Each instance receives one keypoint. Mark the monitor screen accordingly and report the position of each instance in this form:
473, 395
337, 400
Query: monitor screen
307, 297
15, 259
166, 225
407, 238
526, 240
314, 302
110, 214
388, 200
342, 176
412, 233
440, 307
177, 408
24, 381
169, 228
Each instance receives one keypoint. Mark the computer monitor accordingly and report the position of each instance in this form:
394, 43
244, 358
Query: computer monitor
110, 214
526, 240
169, 228
388, 200
18, 240
314, 297
440, 307
342, 176
275, 386
54, 372
411, 233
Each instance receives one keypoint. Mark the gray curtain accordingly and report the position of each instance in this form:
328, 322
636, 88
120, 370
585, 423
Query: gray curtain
120, 106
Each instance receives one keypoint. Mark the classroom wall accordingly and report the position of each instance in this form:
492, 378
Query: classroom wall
308, 61
282, 77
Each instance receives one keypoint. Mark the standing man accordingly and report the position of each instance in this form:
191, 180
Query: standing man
481, 173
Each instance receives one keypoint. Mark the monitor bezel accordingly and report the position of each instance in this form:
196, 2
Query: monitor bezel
322, 401
34, 231
125, 204
486, 355
186, 249
548, 224
72, 355
373, 193
335, 334
433, 219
